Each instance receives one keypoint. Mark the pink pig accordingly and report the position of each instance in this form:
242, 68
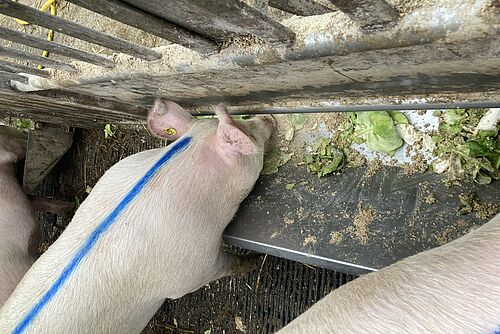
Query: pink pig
18, 229
454, 288
150, 229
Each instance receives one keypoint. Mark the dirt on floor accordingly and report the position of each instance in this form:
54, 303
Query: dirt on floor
365, 215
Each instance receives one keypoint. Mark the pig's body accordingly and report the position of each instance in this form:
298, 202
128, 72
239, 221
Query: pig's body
451, 289
17, 224
164, 244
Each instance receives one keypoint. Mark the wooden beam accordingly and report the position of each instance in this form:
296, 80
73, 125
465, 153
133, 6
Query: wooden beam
16, 54
300, 7
57, 111
371, 15
11, 76
46, 146
405, 72
149, 23
18, 68
261, 5
43, 44
219, 20
34, 16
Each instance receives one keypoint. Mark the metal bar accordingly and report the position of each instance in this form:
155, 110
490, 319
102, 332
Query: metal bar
63, 50
300, 7
385, 107
14, 9
232, 18
369, 14
18, 68
288, 253
16, 54
149, 23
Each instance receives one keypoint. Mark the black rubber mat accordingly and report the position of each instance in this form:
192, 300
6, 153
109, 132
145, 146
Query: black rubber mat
260, 302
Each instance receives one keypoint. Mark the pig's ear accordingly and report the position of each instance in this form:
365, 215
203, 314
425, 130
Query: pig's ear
230, 138
168, 120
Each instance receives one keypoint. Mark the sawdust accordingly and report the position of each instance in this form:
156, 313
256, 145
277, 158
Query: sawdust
362, 219
300, 212
335, 25
354, 158
453, 232
175, 58
373, 167
319, 216
417, 165
310, 240
430, 199
239, 324
335, 238
470, 203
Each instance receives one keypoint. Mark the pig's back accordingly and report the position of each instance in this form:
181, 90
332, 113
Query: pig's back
120, 266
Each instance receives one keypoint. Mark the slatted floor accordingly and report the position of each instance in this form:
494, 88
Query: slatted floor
229, 305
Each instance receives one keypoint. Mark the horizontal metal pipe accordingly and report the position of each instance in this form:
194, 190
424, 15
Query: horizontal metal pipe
346, 108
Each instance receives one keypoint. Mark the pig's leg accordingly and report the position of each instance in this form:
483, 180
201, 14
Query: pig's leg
229, 264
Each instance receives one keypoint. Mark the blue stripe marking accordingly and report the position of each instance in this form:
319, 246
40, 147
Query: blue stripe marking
177, 147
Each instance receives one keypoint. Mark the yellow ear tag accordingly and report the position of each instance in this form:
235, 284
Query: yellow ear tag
170, 131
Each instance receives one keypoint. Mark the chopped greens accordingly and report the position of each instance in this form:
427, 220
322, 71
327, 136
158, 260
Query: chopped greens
22, 124
377, 129
323, 158
399, 117
297, 120
465, 153
109, 131
274, 160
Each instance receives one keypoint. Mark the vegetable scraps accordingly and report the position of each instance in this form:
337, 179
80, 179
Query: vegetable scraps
377, 129
323, 158
466, 150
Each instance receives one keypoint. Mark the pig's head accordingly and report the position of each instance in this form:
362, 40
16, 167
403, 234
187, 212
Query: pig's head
12, 145
234, 149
